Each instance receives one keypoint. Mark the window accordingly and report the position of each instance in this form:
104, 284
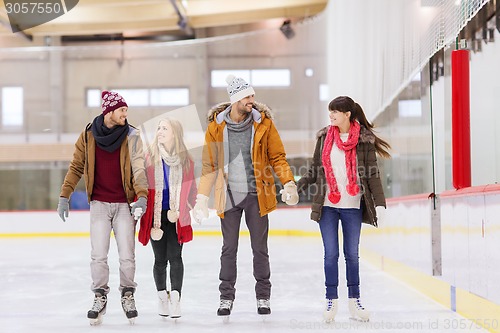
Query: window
410, 108
93, 98
12, 106
255, 77
144, 97
169, 97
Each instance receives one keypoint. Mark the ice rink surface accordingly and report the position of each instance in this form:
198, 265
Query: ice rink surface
46, 288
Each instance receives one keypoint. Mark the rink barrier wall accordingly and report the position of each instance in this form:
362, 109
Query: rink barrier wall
470, 249
470, 243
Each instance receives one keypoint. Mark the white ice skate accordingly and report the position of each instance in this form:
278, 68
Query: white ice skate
163, 303
128, 304
98, 308
263, 306
175, 303
357, 311
332, 306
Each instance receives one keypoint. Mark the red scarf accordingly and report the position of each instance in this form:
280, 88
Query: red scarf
349, 147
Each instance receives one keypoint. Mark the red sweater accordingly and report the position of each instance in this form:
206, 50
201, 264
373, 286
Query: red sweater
108, 177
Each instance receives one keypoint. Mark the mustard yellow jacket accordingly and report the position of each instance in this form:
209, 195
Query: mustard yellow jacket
131, 163
268, 155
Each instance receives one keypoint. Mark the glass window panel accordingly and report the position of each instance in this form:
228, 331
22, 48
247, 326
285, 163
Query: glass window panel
93, 98
12, 106
410, 108
270, 78
170, 97
134, 97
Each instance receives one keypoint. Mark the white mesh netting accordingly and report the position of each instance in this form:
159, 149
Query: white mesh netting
376, 47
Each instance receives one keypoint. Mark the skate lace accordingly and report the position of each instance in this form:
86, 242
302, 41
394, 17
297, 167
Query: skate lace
128, 303
358, 304
225, 304
263, 303
99, 302
329, 304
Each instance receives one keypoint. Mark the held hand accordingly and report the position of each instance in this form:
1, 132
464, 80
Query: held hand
380, 215
63, 208
138, 208
289, 194
200, 209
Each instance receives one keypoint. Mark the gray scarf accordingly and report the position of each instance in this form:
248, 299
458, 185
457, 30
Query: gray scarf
238, 127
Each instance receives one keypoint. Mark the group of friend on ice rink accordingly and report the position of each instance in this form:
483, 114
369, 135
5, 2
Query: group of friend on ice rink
156, 186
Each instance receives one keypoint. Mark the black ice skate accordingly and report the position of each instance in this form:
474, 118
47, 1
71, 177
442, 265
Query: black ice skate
98, 308
128, 304
263, 306
225, 307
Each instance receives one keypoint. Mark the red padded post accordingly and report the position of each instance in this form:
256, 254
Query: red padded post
460, 118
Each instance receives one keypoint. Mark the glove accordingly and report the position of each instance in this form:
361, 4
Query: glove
289, 194
138, 208
380, 210
200, 209
63, 208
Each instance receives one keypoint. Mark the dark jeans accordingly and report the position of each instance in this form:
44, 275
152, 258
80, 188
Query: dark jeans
258, 227
168, 250
351, 228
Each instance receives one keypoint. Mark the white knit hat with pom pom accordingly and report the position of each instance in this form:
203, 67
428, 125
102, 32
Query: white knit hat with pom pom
238, 88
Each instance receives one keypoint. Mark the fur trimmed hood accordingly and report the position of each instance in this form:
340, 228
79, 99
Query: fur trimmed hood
364, 134
260, 107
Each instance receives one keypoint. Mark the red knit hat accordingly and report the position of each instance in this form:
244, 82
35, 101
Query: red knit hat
111, 101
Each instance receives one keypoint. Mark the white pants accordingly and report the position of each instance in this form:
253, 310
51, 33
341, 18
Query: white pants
104, 217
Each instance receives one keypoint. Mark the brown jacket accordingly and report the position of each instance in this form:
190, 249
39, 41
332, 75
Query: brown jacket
368, 172
83, 163
268, 154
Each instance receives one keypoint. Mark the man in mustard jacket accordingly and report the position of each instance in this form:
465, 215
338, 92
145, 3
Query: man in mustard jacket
242, 149
109, 155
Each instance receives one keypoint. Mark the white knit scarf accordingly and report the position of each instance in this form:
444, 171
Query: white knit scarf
174, 186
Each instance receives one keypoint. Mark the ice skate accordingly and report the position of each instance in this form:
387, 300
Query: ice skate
331, 309
163, 303
128, 304
175, 304
263, 306
225, 307
98, 308
357, 311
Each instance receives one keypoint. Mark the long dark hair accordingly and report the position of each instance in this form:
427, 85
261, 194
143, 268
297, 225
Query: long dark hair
346, 104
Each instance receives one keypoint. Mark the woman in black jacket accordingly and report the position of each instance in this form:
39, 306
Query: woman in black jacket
347, 188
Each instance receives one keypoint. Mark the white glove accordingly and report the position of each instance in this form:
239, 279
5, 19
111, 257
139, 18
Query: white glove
380, 210
200, 209
289, 194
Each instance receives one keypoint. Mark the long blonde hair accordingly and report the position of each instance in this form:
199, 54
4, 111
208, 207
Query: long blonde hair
179, 147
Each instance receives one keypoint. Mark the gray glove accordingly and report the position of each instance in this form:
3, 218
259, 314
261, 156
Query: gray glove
138, 208
63, 208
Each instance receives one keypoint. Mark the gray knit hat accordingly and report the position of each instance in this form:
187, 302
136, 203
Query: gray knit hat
238, 88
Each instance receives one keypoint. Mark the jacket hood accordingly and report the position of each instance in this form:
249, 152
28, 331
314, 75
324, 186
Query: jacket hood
365, 135
260, 107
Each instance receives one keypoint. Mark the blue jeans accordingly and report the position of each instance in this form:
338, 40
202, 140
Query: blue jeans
351, 228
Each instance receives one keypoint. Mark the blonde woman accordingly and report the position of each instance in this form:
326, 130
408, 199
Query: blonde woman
171, 194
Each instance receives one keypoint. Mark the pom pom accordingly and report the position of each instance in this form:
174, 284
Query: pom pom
156, 234
334, 197
104, 93
230, 78
173, 215
352, 189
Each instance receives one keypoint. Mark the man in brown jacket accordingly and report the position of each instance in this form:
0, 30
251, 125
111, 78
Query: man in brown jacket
242, 148
109, 155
